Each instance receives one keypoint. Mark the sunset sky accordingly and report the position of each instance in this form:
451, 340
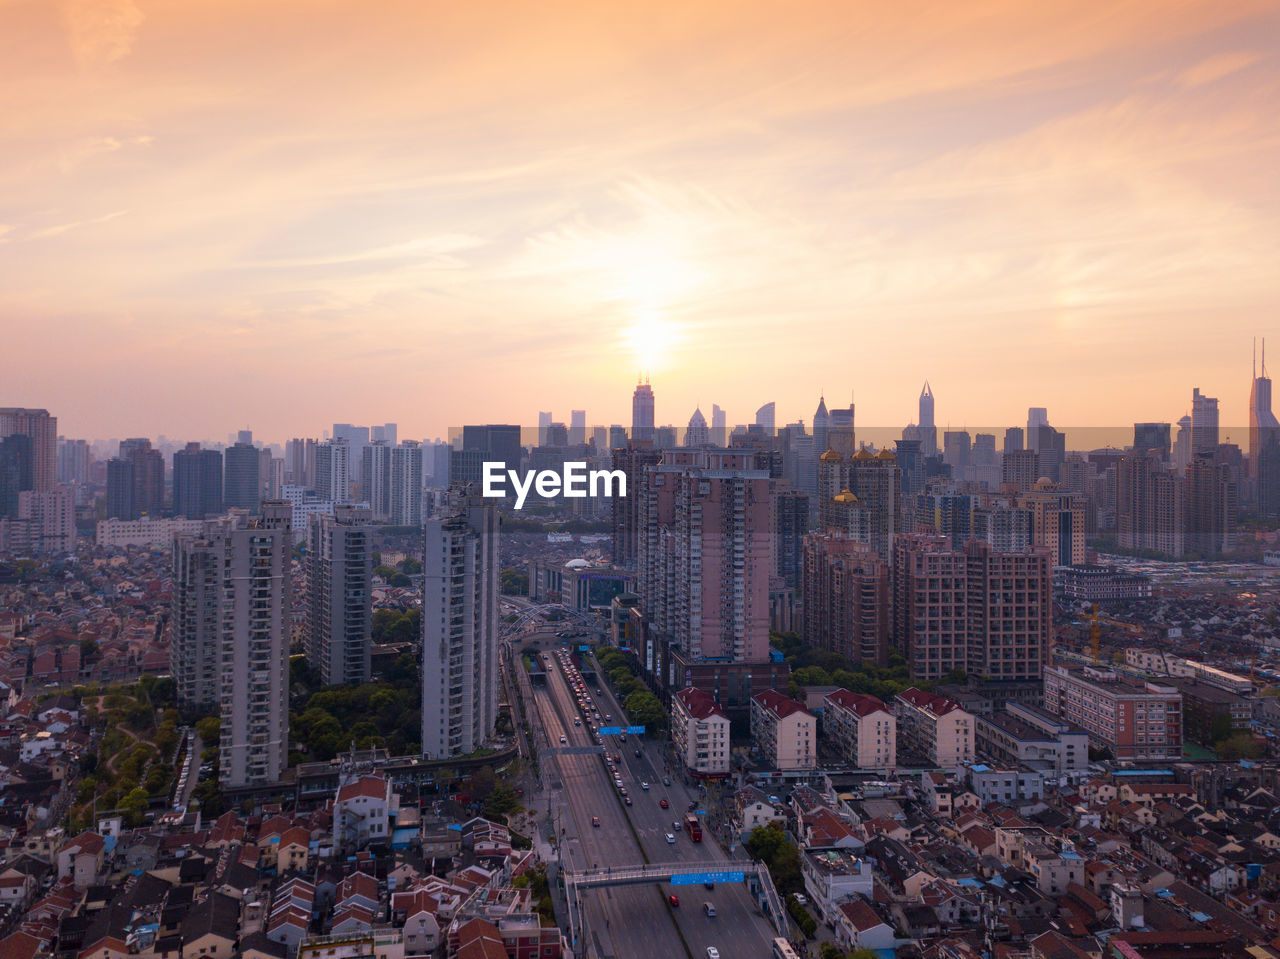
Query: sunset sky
284, 214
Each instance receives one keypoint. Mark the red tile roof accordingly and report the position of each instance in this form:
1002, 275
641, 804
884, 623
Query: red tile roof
860, 914
371, 787
778, 704
858, 703
938, 705
698, 704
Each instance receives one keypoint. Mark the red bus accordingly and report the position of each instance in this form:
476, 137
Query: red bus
695, 828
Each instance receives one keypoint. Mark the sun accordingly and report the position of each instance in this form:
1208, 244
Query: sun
648, 277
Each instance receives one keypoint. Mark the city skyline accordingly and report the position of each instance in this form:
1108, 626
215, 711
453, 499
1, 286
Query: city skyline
557, 202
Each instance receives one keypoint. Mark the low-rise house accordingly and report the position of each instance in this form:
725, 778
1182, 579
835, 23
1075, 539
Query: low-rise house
81, 858
363, 812
211, 928
831, 875
859, 926
752, 808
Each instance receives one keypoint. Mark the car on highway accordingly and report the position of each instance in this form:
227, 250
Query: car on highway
673, 899
644, 786
627, 800
637, 754
664, 804
709, 909
671, 839
713, 952
595, 821
666, 780
563, 741
801, 899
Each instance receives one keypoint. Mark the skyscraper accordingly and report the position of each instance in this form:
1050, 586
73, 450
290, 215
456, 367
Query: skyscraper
135, 481
821, 423
16, 472
197, 482
242, 482
42, 430
577, 427
1264, 443
1057, 521
333, 471
790, 524
704, 554
877, 482
498, 443
51, 519
376, 481
642, 412
1009, 599
956, 448
841, 436
633, 459
230, 645
1037, 416
846, 598
719, 427
1152, 436
1149, 505
1014, 439
928, 432
73, 461
765, 417
357, 438
406, 484
300, 463
544, 421
339, 625
459, 628
1210, 501
1051, 450
254, 682
1204, 422
697, 434
929, 604
971, 608
119, 489
196, 623
387, 432
1182, 444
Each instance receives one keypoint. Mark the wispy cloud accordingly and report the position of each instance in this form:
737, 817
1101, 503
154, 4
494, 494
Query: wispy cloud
101, 31
1218, 66
61, 228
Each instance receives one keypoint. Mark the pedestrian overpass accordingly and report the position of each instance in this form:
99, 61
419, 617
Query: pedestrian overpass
754, 874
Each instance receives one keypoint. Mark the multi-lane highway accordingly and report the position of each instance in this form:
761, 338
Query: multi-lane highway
634, 921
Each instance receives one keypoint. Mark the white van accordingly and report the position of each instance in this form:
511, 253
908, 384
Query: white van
709, 909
